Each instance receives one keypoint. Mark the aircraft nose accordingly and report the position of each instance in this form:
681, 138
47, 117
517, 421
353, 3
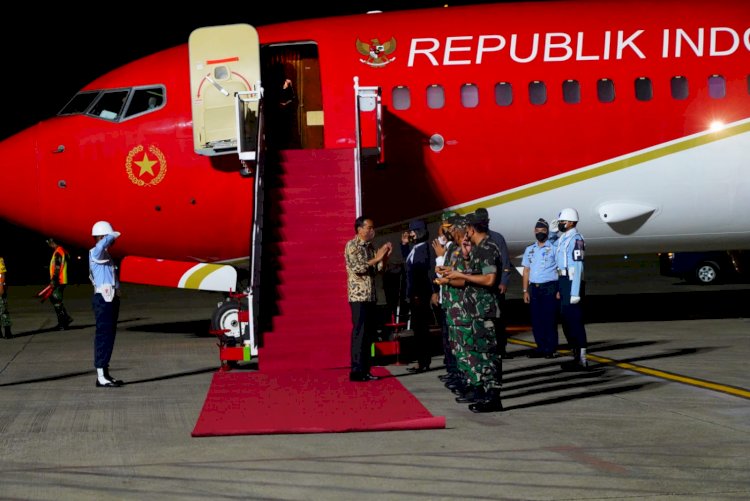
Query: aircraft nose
19, 201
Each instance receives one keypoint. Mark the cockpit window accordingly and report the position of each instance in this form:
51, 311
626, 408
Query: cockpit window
109, 105
116, 104
144, 100
80, 103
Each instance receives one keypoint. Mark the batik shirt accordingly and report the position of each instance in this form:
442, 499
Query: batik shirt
360, 276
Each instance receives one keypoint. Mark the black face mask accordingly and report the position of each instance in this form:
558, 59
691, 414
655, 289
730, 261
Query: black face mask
541, 236
412, 239
561, 227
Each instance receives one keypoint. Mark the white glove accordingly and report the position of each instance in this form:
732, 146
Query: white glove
575, 299
553, 225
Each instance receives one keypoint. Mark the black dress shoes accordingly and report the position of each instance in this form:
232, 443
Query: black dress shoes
361, 378
109, 384
417, 370
574, 366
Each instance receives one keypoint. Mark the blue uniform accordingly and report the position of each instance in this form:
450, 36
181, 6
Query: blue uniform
542, 289
569, 253
105, 302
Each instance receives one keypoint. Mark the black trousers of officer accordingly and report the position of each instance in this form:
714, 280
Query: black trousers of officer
106, 315
543, 306
500, 333
364, 318
571, 315
421, 317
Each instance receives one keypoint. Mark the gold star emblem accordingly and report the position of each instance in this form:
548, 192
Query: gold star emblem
145, 165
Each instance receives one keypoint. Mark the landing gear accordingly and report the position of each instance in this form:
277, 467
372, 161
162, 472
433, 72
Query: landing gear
230, 323
226, 318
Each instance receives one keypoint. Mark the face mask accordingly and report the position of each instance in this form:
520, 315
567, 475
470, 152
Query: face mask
561, 227
412, 238
442, 240
541, 236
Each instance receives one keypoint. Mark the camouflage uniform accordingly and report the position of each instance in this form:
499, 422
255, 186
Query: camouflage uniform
5, 322
457, 318
483, 307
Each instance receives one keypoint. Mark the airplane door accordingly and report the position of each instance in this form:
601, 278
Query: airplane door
224, 61
293, 115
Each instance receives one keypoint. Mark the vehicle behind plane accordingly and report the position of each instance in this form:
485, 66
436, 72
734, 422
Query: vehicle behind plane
705, 268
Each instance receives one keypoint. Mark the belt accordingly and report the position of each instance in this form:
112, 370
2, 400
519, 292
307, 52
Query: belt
543, 284
562, 273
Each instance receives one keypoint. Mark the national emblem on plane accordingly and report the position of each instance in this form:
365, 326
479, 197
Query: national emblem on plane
376, 52
145, 170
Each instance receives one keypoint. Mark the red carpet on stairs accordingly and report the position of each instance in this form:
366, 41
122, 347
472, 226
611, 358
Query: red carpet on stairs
302, 385
311, 401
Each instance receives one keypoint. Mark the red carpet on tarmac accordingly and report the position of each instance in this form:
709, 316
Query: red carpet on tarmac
302, 383
310, 401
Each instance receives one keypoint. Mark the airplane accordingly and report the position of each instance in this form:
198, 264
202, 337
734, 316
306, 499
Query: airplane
635, 113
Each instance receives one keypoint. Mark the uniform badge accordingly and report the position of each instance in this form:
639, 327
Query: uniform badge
578, 250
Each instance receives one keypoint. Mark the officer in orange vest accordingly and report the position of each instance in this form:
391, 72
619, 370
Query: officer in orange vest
5, 322
58, 273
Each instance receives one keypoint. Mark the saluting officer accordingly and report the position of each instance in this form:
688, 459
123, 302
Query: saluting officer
105, 302
540, 290
569, 252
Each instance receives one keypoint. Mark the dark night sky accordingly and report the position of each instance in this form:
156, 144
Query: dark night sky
52, 52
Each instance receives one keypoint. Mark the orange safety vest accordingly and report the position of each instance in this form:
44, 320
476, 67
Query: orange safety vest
62, 274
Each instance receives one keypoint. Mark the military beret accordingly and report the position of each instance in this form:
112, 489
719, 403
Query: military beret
541, 223
447, 215
458, 219
482, 214
474, 219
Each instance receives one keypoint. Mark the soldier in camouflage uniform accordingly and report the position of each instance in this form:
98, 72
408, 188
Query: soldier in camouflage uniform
457, 319
442, 246
481, 302
5, 322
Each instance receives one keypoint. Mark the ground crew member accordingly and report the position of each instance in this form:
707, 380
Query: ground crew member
5, 322
105, 302
482, 303
540, 279
58, 273
569, 252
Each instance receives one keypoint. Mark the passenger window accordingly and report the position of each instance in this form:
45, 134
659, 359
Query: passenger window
717, 87
605, 90
401, 98
435, 97
109, 105
537, 92
643, 89
469, 95
504, 93
144, 100
679, 87
571, 91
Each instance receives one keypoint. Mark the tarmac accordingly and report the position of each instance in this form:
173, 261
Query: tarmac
663, 414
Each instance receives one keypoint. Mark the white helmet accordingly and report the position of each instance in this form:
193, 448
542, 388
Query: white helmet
568, 214
101, 228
